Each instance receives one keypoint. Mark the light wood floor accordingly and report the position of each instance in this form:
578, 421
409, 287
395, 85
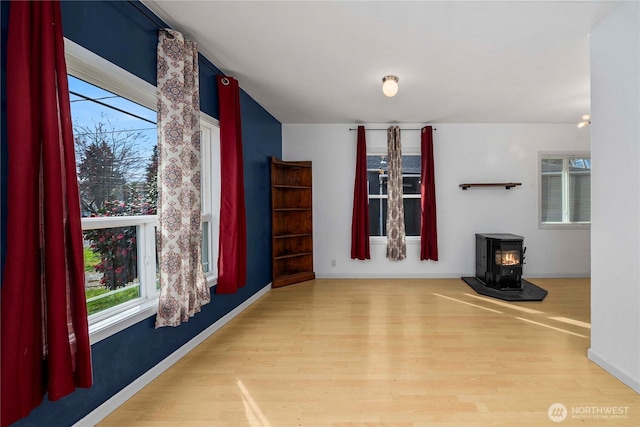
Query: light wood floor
399, 352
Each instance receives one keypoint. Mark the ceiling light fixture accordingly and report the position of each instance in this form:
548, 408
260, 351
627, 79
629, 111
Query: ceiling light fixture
586, 120
390, 85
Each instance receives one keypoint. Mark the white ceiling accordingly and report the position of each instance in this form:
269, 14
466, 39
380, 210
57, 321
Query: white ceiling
457, 61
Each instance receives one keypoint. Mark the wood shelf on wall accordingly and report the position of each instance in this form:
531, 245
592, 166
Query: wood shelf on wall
507, 185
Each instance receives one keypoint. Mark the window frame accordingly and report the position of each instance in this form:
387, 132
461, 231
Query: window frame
210, 154
564, 156
382, 240
90, 67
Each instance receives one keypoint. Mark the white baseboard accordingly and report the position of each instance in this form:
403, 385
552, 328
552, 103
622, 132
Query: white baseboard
98, 414
323, 275
557, 276
626, 378
421, 275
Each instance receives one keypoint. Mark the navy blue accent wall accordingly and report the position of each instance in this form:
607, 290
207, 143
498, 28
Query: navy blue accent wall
121, 33
117, 31
258, 132
208, 87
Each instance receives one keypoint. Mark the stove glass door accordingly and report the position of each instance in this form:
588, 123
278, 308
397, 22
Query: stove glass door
506, 257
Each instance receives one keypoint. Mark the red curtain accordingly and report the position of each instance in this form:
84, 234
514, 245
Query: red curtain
360, 218
232, 254
45, 339
428, 224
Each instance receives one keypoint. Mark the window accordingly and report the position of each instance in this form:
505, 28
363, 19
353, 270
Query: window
116, 158
210, 142
565, 189
115, 131
377, 180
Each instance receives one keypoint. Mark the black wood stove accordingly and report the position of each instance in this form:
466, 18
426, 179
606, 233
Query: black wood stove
499, 260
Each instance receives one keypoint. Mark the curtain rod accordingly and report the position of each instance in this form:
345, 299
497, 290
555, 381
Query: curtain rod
162, 27
387, 128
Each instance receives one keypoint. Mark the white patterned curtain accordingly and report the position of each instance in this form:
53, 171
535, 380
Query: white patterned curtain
396, 242
183, 287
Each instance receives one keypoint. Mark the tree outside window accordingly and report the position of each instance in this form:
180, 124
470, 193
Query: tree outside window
116, 160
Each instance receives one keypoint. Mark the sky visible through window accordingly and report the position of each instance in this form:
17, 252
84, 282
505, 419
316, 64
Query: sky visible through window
91, 105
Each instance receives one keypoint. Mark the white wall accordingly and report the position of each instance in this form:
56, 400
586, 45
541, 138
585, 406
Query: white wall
463, 153
615, 189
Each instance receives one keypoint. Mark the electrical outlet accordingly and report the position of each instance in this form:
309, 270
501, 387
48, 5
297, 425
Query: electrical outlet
333, 263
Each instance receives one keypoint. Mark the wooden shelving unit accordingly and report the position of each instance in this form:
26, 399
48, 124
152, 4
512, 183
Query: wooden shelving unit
507, 185
292, 225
